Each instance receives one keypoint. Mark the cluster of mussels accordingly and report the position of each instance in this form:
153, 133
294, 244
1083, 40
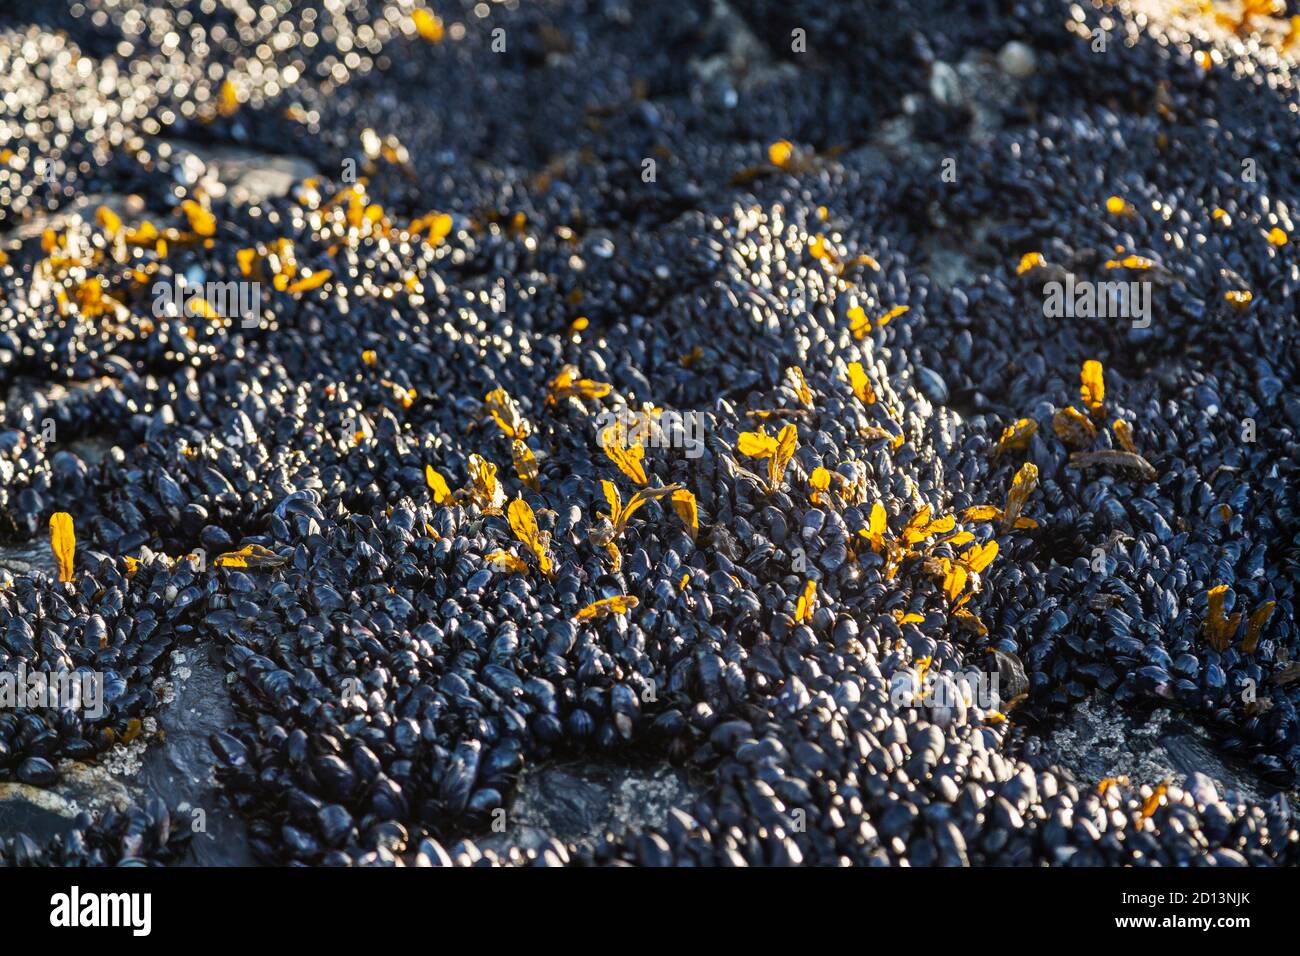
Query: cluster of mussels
666, 382
134, 836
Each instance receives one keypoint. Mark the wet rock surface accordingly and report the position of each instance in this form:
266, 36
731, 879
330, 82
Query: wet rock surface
579, 801
178, 768
369, 582
1096, 743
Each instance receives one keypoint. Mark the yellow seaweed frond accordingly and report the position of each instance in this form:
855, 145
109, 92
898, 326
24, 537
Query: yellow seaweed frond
620, 604
1016, 435
505, 412
1092, 387
685, 505
1022, 486
250, 556
525, 463
63, 542
861, 384
524, 524
438, 485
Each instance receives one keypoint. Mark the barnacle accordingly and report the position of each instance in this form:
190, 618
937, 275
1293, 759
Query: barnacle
525, 463
601, 535
1073, 428
1022, 486
807, 602
63, 542
505, 412
861, 384
1016, 436
524, 524
619, 604
250, 556
1092, 387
